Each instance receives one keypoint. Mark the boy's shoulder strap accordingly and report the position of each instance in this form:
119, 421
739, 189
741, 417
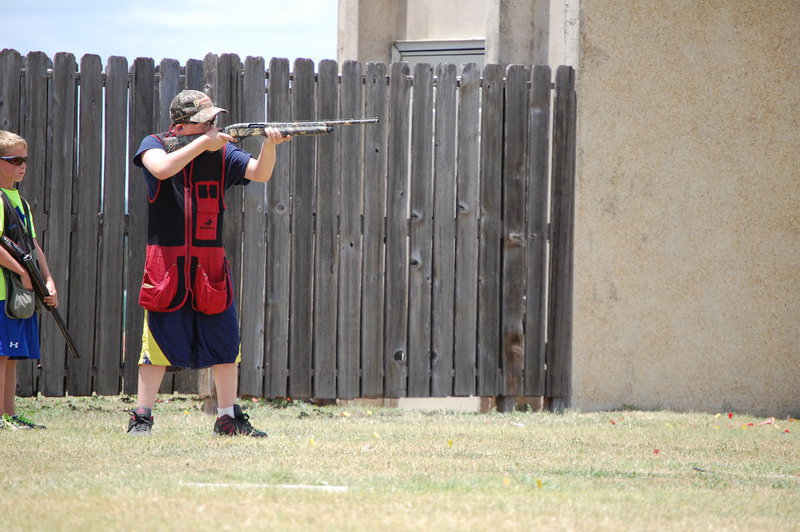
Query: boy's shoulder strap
11, 210
26, 209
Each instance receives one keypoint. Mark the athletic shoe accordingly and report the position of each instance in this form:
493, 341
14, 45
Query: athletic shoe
18, 422
22, 422
139, 424
238, 425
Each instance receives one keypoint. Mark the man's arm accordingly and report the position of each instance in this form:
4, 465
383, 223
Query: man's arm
259, 169
9, 263
164, 165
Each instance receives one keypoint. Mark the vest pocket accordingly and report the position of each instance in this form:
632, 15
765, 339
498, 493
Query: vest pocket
207, 201
158, 288
211, 296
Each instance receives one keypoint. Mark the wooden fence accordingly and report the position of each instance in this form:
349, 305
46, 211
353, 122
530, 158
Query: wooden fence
421, 256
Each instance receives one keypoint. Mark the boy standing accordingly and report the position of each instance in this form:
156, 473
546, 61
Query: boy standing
19, 337
187, 292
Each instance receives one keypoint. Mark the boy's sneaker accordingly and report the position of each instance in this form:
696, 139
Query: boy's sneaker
238, 425
19, 422
139, 423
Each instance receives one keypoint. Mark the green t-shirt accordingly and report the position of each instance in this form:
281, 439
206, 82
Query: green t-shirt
16, 201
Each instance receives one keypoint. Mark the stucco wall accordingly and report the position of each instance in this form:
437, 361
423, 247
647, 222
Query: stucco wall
687, 259
367, 29
446, 19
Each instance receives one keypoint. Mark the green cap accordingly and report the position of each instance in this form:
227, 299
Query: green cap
192, 106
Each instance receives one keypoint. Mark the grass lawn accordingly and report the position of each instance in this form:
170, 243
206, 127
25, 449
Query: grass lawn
358, 468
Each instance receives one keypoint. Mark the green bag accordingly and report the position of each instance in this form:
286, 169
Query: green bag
20, 302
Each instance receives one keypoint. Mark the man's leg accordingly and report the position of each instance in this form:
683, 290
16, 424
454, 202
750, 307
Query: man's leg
226, 382
150, 377
142, 416
230, 418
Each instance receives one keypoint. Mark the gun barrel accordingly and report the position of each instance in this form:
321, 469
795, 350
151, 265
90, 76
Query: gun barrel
65, 332
253, 130
303, 123
257, 129
303, 127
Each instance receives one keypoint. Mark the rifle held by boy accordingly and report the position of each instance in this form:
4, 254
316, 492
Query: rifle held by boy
27, 261
255, 129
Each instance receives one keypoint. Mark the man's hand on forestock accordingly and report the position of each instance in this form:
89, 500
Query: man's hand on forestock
274, 137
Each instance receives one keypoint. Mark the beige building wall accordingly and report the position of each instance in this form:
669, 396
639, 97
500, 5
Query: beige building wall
446, 20
687, 259
368, 28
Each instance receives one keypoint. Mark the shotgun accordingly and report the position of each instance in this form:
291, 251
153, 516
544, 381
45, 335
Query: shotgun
255, 129
27, 261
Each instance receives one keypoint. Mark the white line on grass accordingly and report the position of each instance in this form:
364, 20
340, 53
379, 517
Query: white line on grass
250, 486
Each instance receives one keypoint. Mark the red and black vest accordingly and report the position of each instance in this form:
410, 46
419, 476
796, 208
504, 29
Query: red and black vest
185, 260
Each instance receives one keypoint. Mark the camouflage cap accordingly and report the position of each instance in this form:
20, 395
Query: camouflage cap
192, 106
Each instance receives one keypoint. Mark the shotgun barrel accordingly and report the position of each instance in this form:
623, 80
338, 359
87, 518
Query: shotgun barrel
256, 129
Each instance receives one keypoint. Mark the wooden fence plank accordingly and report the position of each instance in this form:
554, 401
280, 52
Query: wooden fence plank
193, 75
372, 298
34, 125
559, 349
444, 231
169, 84
514, 242
34, 122
227, 94
141, 123
302, 270
326, 265
83, 279
278, 241
109, 324
420, 229
58, 205
254, 249
468, 190
396, 324
490, 231
10, 93
538, 184
351, 176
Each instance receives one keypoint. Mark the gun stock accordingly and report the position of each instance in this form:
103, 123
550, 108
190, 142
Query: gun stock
256, 129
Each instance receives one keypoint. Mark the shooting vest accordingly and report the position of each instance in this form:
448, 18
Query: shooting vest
22, 235
185, 258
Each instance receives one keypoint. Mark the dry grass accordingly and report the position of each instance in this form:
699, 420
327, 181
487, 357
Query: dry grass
356, 468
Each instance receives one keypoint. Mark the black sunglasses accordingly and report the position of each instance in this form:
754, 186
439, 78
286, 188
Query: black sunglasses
15, 160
